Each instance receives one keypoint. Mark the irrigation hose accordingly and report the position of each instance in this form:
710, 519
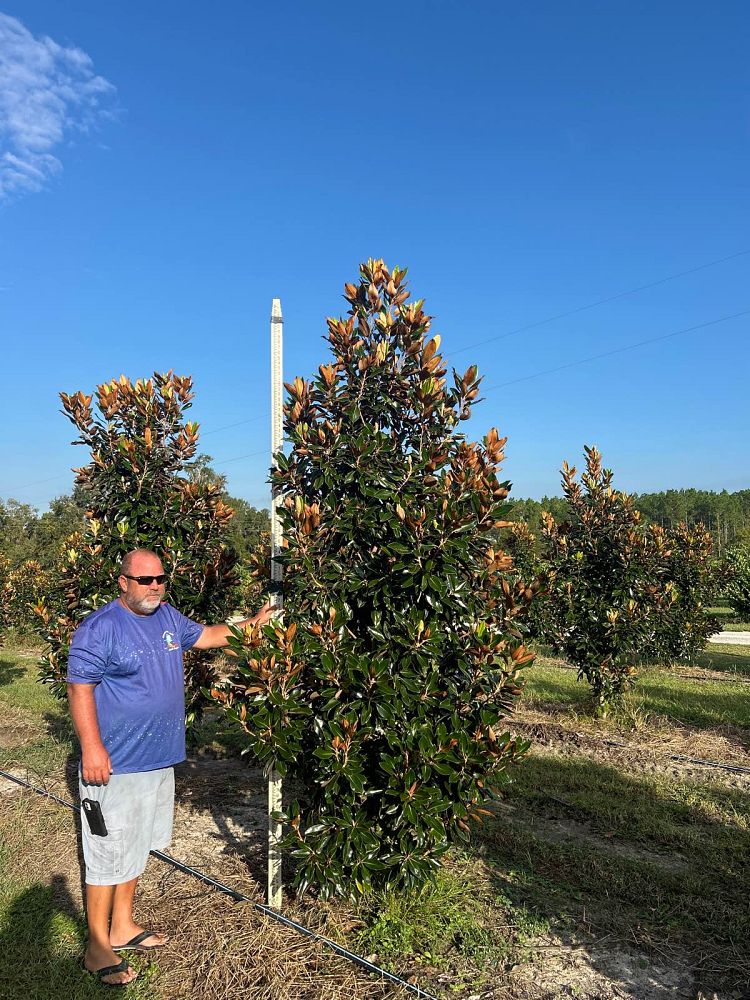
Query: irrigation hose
238, 897
735, 768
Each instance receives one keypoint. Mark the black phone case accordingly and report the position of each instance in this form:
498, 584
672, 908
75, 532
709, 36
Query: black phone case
94, 817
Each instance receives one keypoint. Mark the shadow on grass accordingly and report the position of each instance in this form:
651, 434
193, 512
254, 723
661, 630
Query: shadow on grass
695, 703
665, 867
663, 816
42, 944
60, 727
10, 671
235, 797
724, 660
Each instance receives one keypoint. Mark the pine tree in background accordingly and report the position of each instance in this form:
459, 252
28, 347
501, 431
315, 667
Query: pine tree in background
386, 688
139, 496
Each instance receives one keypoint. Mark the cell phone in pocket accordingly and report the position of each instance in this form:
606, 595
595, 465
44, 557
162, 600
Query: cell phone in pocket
94, 817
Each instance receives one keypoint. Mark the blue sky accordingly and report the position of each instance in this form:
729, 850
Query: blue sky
167, 169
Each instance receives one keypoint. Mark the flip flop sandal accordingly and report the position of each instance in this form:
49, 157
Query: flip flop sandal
134, 944
111, 970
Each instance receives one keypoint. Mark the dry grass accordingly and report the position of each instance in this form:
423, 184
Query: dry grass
218, 950
221, 950
652, 739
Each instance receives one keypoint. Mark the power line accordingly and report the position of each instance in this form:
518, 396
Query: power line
52, 479
238, 423
252, 454
617, 350
38, 482
601, 302
500, 336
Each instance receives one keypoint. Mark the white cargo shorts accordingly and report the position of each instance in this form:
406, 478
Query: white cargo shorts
138, 810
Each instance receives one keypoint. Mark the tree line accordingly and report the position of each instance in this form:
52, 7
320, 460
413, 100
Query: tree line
726, 516
27, 534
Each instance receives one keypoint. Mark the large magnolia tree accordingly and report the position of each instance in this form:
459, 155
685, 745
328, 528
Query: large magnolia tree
140, 496
386, 689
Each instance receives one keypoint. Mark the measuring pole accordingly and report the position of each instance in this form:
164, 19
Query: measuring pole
273, 892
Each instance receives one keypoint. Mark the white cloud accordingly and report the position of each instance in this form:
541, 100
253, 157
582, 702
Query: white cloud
46, 90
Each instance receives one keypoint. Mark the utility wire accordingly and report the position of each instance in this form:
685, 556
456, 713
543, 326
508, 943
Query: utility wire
239, 423
224, 461
238, 897
601, 302
252, 454
616, 350
489, 340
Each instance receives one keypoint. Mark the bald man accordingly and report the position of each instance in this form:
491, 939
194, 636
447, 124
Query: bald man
127, 700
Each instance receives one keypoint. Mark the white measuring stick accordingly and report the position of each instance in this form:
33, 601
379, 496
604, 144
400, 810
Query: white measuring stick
273, 893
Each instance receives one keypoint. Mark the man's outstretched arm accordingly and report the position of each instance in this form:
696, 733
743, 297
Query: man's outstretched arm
217, 636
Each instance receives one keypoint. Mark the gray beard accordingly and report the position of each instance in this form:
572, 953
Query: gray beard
145, 606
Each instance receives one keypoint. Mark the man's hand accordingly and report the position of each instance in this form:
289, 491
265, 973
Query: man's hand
217, 636
96, 766
265, 615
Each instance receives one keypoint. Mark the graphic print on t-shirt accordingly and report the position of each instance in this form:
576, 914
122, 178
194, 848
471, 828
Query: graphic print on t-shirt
169, 642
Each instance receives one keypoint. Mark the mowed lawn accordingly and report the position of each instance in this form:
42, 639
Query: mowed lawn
683, 693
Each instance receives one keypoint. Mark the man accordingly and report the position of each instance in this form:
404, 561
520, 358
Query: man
126, 694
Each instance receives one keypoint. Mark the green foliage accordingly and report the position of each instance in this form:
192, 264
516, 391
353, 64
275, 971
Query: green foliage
138, 496
435, 922
385, 692
607, 585
529, 565
25, 535
737, 589
254, 574
20, 590
17, 522
248, 529
725, 515
684, 622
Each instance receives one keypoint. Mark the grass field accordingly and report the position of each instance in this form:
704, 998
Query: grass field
609, 860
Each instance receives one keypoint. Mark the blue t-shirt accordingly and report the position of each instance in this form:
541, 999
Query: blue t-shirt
135, 661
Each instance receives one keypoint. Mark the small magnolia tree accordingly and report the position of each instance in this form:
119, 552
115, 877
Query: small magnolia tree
684, 624
21, 589
608, 585
529, 565
385, 691
737, 572
139, 496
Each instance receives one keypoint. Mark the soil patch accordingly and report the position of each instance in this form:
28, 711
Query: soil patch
651, 754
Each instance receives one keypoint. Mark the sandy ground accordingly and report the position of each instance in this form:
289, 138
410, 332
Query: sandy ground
731, 638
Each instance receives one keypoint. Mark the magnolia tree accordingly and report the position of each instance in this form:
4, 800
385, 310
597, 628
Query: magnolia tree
684, 624
385, 690
529, 564
737, 575
21, 589
139, 496
607, 580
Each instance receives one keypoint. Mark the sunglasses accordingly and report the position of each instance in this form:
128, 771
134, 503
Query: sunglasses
146, 581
